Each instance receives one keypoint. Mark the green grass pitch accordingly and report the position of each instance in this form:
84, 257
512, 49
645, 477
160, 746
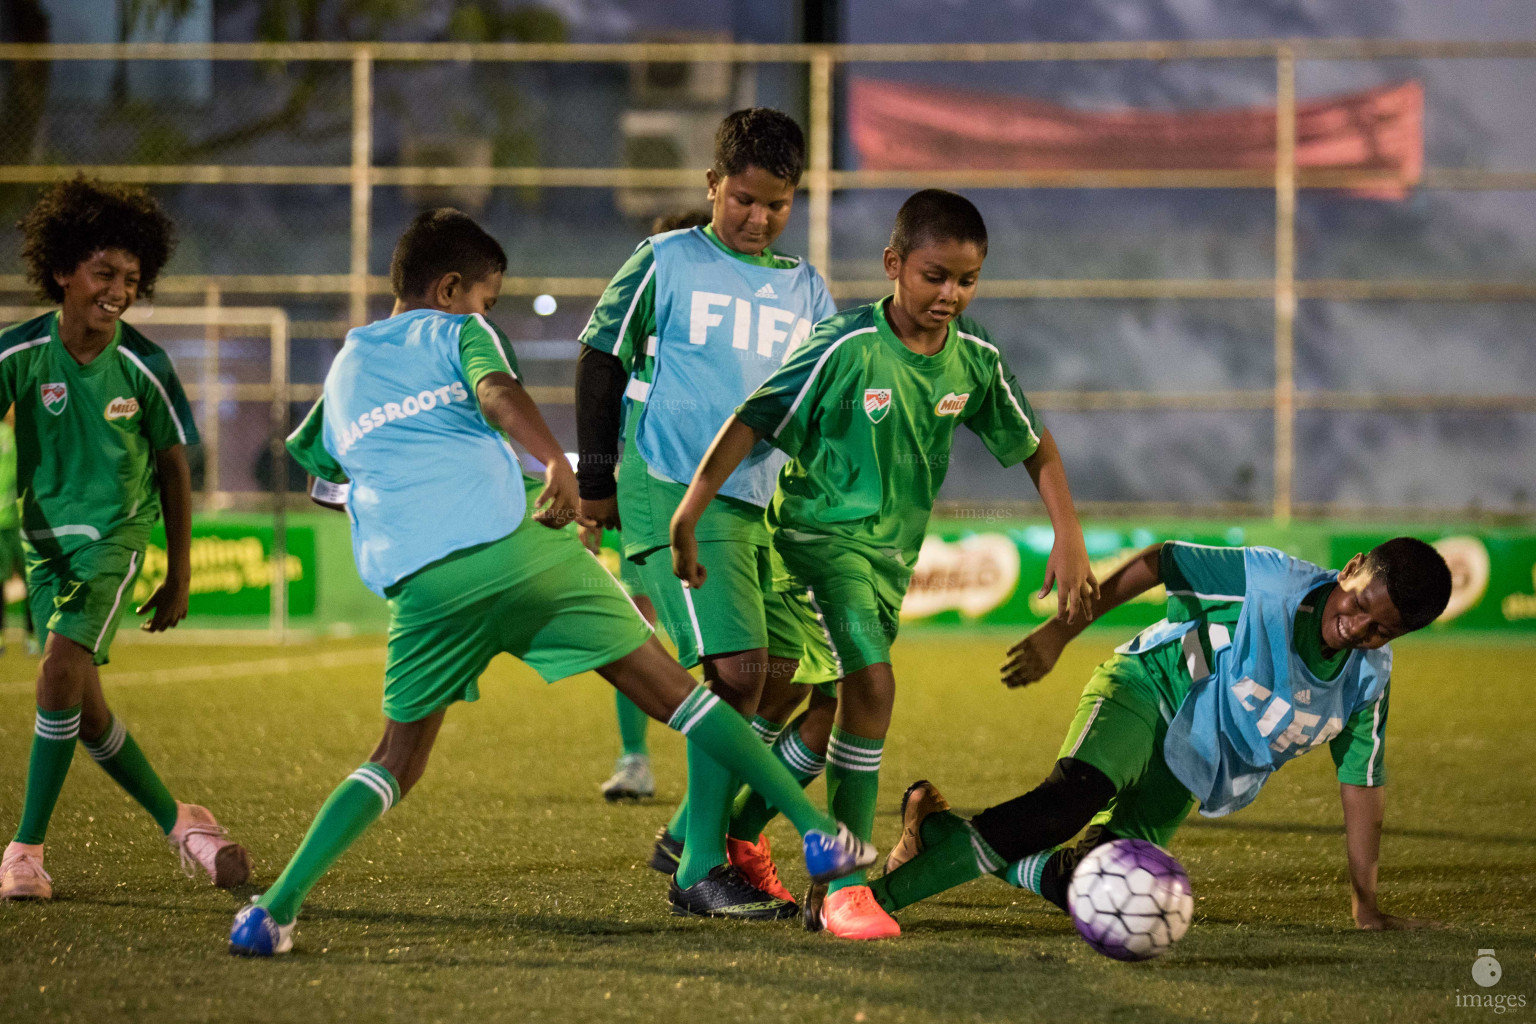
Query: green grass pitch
505, 889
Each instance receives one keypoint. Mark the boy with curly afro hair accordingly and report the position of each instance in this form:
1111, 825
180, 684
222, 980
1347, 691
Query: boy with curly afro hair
102, 424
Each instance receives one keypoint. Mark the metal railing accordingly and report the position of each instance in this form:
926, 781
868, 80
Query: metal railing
1283, 289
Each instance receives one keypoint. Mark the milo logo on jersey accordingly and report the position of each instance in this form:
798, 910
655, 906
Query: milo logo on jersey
122, 408
55, 397
951, 404
755, 326
352, 431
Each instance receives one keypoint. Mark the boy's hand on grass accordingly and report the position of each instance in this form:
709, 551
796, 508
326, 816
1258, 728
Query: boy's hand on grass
556, 504
1076, 586
1032, 658
169, 604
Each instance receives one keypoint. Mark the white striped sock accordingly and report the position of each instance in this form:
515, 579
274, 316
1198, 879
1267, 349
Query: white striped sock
107, 747
692, 710
58, 728
379, 785
794, 753
856, 759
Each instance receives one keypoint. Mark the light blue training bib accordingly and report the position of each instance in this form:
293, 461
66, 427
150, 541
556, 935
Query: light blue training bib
429, 475
722, 326
1259, 706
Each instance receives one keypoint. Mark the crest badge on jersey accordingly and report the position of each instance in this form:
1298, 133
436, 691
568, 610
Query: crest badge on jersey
877, 402
55, 396
951, 404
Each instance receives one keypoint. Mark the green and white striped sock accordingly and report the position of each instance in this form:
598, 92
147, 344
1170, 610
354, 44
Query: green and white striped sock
53, 747
352, 806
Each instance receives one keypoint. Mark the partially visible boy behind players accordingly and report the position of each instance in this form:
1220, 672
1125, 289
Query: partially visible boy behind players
12, 563
632, 778
412, 422
101, 430
688, 327
1262, 658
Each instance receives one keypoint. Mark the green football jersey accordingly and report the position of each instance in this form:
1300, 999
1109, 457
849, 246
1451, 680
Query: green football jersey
869, 424
85, 435
1208, 583
10, 515
623, 324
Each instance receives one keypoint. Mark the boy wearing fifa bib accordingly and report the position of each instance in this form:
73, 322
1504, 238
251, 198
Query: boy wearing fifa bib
1262, 658
867, 409
412, 422
693, 322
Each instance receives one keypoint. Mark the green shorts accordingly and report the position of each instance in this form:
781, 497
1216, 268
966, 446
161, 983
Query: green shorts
1119, 729
12, 561
737, 609
82, 595
853, 597
536, 594
629, 573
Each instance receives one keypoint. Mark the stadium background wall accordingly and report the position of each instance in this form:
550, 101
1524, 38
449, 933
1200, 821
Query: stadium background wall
974, 570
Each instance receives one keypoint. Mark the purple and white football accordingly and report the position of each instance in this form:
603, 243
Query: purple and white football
1130, 899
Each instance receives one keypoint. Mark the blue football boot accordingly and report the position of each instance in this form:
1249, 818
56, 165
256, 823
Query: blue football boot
256, 934
828, 857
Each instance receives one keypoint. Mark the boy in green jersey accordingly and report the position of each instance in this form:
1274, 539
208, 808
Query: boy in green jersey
691, 324
411, 429
867, 410
101, 429
1261, 658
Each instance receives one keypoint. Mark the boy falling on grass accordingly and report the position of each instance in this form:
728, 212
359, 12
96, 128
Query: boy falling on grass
1262, 658
411, 422
692, 323
101, 429
867, 410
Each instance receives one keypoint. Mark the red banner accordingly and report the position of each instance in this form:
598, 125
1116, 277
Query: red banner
898, 126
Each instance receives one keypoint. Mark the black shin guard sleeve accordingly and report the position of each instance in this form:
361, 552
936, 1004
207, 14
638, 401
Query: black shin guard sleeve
1057, 876
600, 383
1047, 815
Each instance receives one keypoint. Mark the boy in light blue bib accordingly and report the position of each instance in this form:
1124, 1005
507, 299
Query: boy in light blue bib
1262, 657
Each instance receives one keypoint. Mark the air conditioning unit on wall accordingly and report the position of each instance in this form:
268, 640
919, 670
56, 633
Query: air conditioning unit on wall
666, 139
447, 150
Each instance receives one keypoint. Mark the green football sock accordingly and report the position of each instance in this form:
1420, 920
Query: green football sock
632, 725
1026, 873
957, 857
677, 828
752, 813
352, 806
722, 734
710, 786
121, 758
53, 747
853, 785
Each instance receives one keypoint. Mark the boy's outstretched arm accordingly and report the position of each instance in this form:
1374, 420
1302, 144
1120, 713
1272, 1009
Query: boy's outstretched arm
1364, 809
169, 601
1067, 567
508, 408
734, 443
1032, 658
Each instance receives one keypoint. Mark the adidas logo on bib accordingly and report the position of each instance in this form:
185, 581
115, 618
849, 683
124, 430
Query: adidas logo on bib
766, 292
